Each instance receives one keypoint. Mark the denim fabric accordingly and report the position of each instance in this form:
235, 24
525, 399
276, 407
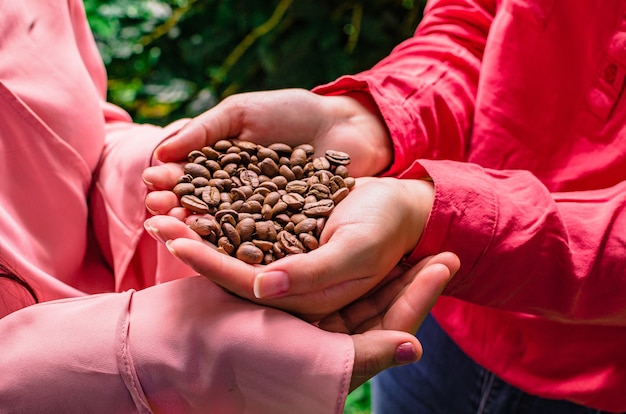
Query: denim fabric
446, 381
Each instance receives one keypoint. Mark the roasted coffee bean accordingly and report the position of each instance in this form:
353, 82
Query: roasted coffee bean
212, 165
226, 212
297, 186
211, 195
342, 171
321, 208
247, 146
308, 241
210, 153
280, 148
200, 159
246, 227
182, 189
231, 169
203, 226
230, 158
305, 226
337, 157
197, 170
264, 245
339, 195
262, 203
249, 253
269, 167
265, 230
308, 149
194, 204
321, 163
290, 243
195, 154
200, 181
320, 191
231, 232
223, 145
294, 201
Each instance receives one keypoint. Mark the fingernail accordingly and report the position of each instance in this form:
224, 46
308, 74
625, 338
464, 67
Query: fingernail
271, 284
168, 244
146, 181
153, 231
405, 353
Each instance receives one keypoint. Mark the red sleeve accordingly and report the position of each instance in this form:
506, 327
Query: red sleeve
525, 249
425, 89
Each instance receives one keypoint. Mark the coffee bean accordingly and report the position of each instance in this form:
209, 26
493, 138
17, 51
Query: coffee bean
249, 253
337, 157
194, 204
197, 170
290, 243
259, 203
182, 189
321, 208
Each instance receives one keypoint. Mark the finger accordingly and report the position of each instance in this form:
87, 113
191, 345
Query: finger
164, 228
408, 313
377, 350
161, 202
228, 272
220, 122
316, 271
401, 303
333, 323
162, 177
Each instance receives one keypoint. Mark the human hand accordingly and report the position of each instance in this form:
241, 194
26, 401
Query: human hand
292, 116
213, 331
364, 238
397, 307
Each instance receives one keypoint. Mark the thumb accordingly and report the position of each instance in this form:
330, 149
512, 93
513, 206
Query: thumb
377, 350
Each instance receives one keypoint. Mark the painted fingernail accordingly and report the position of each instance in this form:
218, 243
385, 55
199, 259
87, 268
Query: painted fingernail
405, 353
271, 284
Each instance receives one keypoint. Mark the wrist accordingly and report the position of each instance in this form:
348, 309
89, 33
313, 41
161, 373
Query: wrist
419, 197
371, 144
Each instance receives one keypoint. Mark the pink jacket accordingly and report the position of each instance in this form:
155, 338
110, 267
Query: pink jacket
516, 109
109, 336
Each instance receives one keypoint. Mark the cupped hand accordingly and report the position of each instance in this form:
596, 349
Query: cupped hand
291, 116
365, 237
379, 320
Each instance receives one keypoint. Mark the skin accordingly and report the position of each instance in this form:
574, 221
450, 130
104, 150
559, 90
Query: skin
328, 278
352, 283
350, 262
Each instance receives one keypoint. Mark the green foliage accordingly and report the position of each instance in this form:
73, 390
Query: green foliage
358, 401
168, 59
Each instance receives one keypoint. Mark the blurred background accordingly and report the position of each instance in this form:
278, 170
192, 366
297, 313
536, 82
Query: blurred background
168, 59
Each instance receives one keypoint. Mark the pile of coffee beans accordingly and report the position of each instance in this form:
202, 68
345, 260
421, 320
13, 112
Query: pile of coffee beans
259, 203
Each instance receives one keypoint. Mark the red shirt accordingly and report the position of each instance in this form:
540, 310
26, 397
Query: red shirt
515, 109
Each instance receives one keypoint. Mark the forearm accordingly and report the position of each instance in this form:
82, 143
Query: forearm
67, 357
425, 89
526, 250
198, 349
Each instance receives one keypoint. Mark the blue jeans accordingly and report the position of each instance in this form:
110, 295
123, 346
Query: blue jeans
446, 381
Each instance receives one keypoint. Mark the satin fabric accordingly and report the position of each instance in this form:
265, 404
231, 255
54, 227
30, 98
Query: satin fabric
123, 327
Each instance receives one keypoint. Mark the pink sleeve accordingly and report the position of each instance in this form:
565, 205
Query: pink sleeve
553, 254
425, 89
62, 356
184, 346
